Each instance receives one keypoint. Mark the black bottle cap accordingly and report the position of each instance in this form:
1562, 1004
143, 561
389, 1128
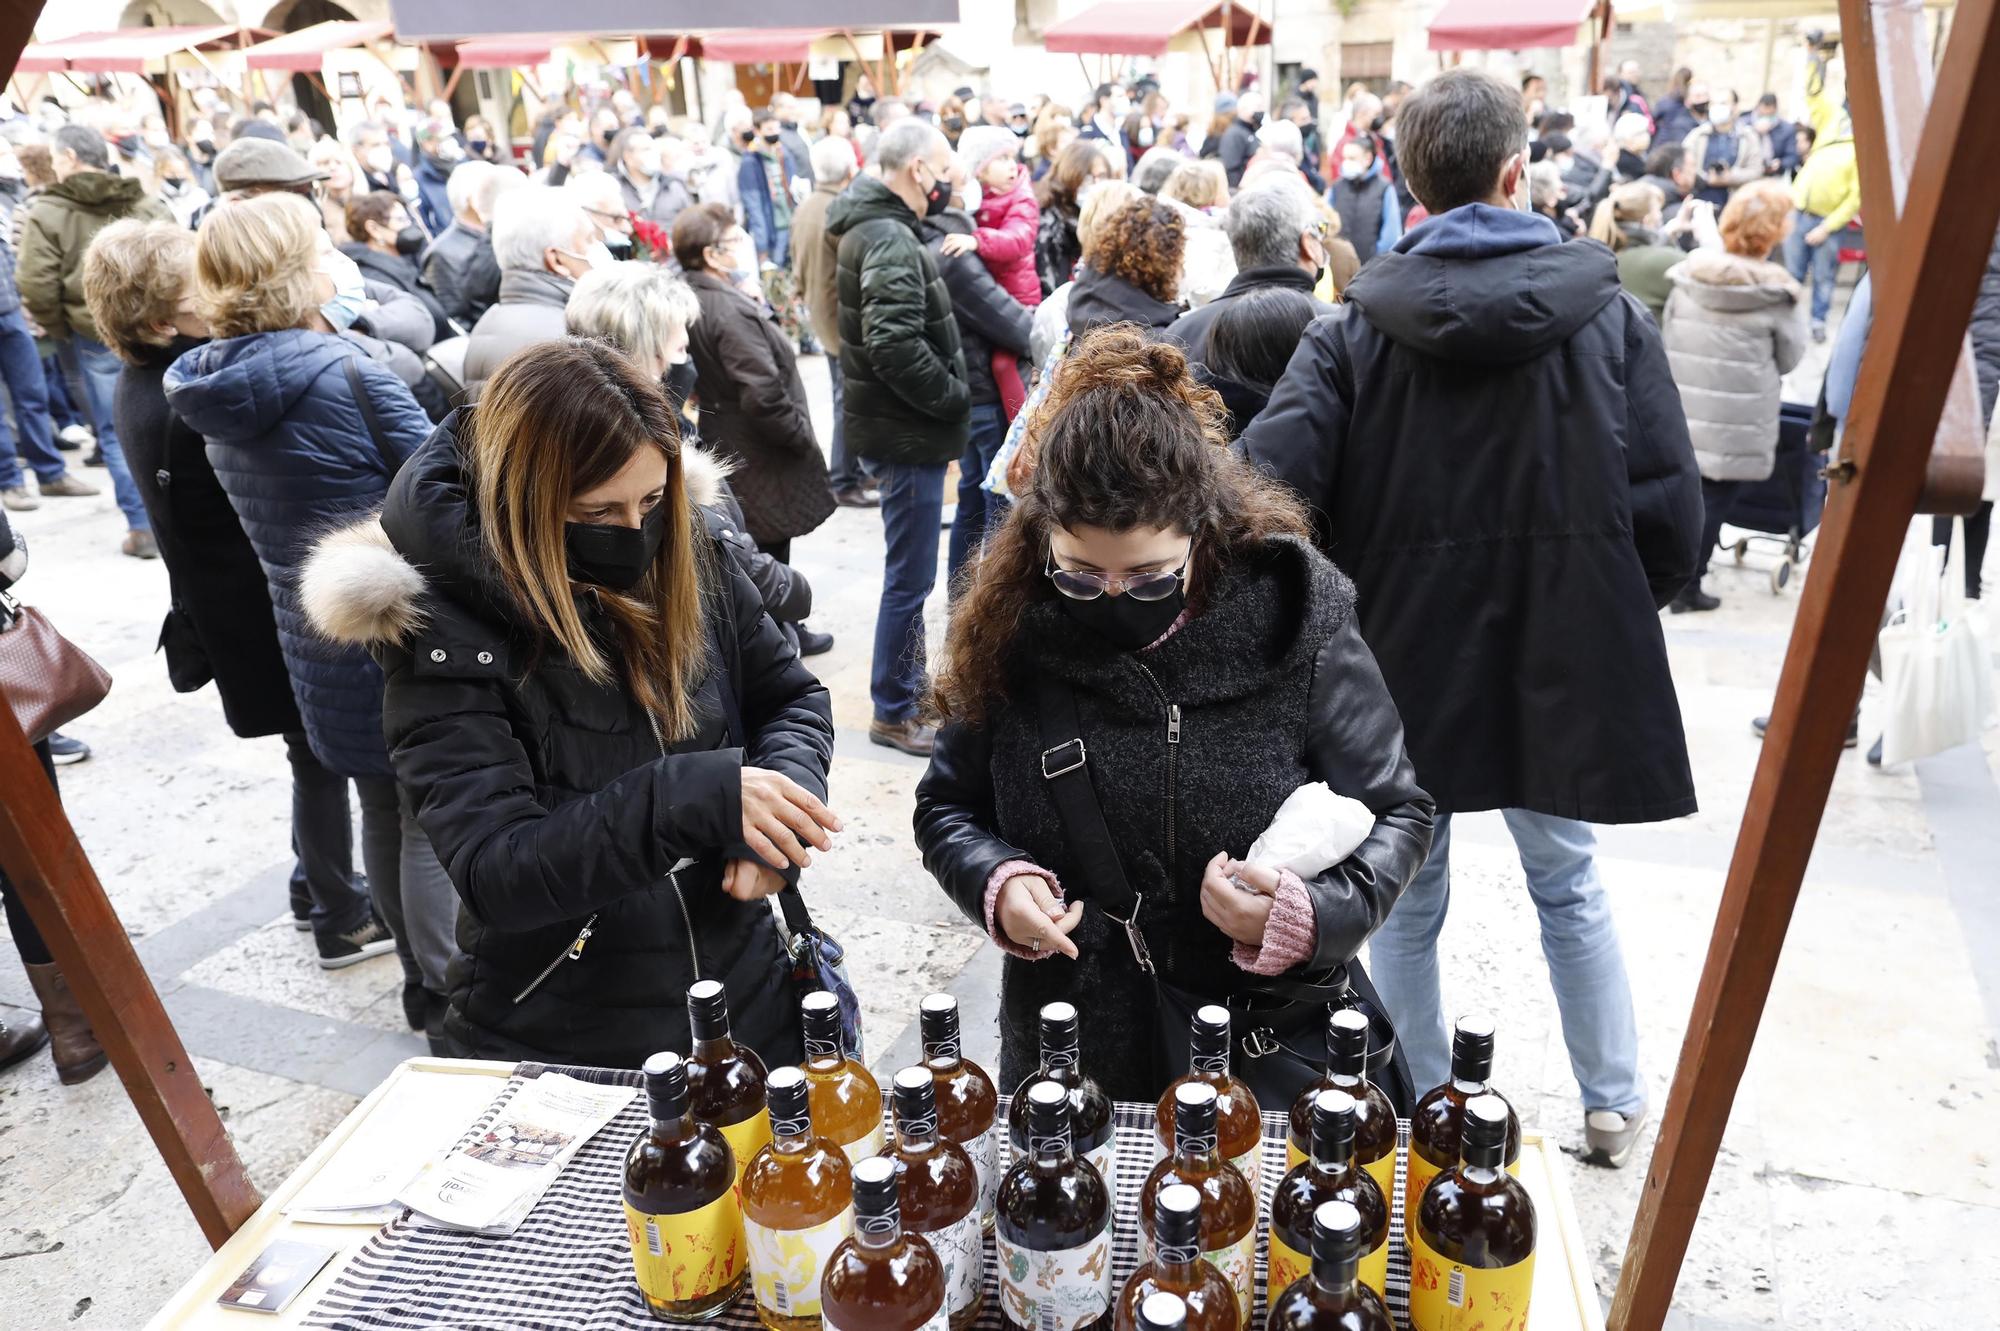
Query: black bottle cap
937, 1020
1336, 1242
1347, 1043
1177, 1224
1163, 1312
876, 1213
791, 1108
1058, 1036
1048, 1118
1194, 1117
1484, 1143
1472, 1048
708, 1010
916, 1105
1209, 1039
821, 1014
1333, 1128
667, 1085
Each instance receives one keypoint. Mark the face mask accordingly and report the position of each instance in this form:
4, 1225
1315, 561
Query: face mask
380, 159
1353, 170
772, 139
410, 241
619, 247
1257, 121
206, 147
649, 164
449, 151
937, 198
599, 256
479, 146
954, 122
1765, 124
608, 135
1125, 623
343, 307
128, 144
614, 557
1721, 117
1699, 110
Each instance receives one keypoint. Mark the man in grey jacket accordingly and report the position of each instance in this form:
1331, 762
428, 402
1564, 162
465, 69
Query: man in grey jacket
544, 241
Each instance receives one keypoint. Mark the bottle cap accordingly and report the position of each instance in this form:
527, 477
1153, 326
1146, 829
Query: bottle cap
1059, 1036
1347, 1042
1472, 1048
1333, 1127
1194, 1116
1163, 1312
667, 1084
1209, 1039
916, 1104
791, 1108
1337, 1233
708, 1010
875, 1196
1048, 1118
1484, 1142
1177, 1224
821, 1012
937, 1021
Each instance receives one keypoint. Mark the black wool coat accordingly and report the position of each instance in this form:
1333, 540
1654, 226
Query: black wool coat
1276, 690
219, 623
754, 412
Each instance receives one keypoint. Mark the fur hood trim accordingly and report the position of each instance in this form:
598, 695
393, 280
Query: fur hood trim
703, 473
356, 589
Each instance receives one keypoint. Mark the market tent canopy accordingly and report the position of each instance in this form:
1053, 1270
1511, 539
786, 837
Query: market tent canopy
124, 51
304, 51
1148, 27
454, 20
1507, 25
761, 46
508, 52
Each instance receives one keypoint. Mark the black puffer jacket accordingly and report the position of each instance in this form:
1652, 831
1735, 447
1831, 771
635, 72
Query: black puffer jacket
550, 801
906, 397
1276, 690
987, 316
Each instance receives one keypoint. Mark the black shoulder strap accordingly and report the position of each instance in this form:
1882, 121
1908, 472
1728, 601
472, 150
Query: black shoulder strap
368, 416
1066, 767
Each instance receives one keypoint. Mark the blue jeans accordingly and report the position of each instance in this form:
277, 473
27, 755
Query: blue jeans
912, 518
28, 386
1579, 942
55, 381
845, 471
1822, 261
978, 511
100, 382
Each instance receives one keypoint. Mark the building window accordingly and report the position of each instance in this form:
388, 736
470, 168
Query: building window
1366, 62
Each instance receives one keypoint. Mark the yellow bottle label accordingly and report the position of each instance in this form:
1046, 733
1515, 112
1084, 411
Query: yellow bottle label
1383, 1170
1450, 1296
863, 1147
786, 1264
1421, 1173
746, 1139
1294, 1157
685, 1256
1287, 1264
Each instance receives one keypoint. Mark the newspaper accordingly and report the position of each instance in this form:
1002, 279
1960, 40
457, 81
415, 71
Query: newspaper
417, 1122
491, 1184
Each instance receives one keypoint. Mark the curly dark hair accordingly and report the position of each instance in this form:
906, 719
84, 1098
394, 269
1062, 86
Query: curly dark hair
1126, 438
1142, 242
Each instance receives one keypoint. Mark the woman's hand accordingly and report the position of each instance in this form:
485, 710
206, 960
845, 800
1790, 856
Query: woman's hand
747, 880
959, 243
781, 818
1240, 914
1031, 917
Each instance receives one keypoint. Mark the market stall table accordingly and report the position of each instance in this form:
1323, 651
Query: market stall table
569, 1265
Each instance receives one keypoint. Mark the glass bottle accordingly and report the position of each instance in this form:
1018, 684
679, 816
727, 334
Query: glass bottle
725, 1079
1239, 1121
1228, 1209
1329, 1297
1374, 1115
1053, 1226
1472, 1254
968, 1106
882, 1279
1330, 1175
846, 1101
1438, 1123
798, 1204
681, 1211
1089, 1107
1178, 1268
940, 1194
1162, 1312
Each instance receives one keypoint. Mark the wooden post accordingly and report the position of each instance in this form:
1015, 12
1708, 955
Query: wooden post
1922, 306
40, 852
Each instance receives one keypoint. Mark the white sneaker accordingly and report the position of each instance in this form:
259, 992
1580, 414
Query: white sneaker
76, 436
1611, 1136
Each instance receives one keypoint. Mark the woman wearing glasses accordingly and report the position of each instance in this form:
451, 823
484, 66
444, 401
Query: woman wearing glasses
1157, 587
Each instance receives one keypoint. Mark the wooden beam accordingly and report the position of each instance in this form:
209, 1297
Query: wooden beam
1921, 311
17, 29
40, 852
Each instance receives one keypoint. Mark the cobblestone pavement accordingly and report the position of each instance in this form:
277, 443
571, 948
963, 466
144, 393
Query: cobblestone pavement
1856, 1175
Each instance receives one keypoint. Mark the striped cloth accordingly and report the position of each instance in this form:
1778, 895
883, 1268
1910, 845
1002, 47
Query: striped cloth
569, 1265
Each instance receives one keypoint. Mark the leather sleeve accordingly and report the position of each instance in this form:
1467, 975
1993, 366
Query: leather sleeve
954, 819
1354, 743
786, 710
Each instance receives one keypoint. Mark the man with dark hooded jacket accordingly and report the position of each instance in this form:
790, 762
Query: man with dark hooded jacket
1495, 452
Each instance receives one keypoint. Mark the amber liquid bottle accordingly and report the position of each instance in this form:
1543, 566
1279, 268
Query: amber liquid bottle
1239, 1121
1438, 1123
680, 1205
725, 1080
1053, 1227
846, 1102
1179, 1269
1329, 1297
1374, 1115
1472, 1254
798, 1204
940, 1194
1228, 1207
968, 1106
883, 1278
1330, 1175
1091, 1132
1162, 1312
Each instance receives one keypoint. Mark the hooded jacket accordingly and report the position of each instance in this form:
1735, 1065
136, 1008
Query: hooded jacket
1734, 327
530, 310
291, 449
58, 226
1494, 451
905, 396
1099, 299
1191, 330
401, 273
551, 803
1008, 226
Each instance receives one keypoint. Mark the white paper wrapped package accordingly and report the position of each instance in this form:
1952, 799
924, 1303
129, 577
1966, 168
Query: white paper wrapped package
1315, 829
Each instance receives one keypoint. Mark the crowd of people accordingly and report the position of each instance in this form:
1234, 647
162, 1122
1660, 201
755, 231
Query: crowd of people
1356, 444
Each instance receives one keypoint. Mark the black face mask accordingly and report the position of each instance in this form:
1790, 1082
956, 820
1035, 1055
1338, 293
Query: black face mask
1257, 120
410, 241
937, 199
954, 122
1699, 110
607, 136
614, 557
773, 139
206, 147
127, 144
1126, 623
620, 246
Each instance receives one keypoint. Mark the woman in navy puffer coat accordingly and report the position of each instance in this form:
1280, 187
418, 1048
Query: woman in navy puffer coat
305, 433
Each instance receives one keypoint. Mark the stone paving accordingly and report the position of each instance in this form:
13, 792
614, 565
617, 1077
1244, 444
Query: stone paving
1856, 1178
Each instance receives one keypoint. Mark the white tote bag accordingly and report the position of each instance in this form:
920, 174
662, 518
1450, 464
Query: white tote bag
1937, 687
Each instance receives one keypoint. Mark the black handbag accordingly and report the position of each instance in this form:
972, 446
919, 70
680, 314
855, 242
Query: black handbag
1278, 1024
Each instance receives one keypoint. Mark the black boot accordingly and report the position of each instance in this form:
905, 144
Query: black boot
1693, 598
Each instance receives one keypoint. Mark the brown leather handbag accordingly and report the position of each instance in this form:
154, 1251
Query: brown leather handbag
47, 680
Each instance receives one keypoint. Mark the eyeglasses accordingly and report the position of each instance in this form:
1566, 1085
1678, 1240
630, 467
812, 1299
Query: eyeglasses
1080, 586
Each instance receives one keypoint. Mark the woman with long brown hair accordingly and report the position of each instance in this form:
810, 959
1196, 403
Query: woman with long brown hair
1079, 167
1155, 594
613, 749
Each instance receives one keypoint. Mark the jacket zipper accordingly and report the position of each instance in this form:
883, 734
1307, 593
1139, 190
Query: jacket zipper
674, 880
574, 952
1173, 752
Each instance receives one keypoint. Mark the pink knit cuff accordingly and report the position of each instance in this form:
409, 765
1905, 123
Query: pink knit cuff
1014, 869
1290, 934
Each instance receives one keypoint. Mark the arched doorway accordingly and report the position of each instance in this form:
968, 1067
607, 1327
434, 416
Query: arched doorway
303, 14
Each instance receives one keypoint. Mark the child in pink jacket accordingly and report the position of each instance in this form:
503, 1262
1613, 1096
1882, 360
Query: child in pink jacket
1008, 218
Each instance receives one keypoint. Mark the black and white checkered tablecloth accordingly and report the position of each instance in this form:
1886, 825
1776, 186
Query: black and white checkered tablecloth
570, 1265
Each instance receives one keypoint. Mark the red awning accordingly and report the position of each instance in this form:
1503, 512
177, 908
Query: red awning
761, 46
304, 50
126, 51
1507, 25
1148, 27
507, 52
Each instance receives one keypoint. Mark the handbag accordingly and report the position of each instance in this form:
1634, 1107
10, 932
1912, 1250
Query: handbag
48, 680
1937, 685
1278, 1024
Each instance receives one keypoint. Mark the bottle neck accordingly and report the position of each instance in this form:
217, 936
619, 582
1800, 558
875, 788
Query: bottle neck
1336, 1278
671, 1125
1198, 1154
